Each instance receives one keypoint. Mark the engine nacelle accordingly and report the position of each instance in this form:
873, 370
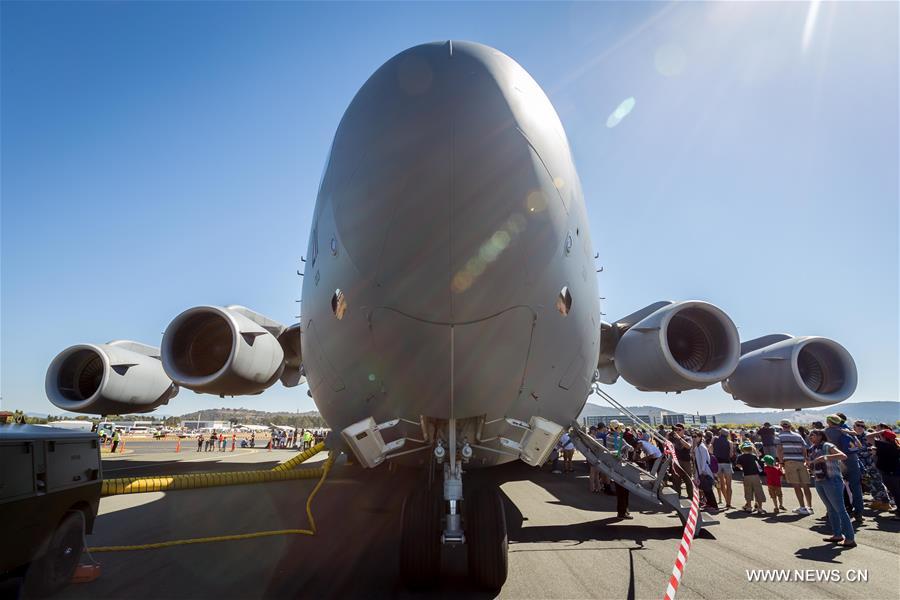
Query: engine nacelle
115, 378
781, 371
293, 356
680, 346
227, 351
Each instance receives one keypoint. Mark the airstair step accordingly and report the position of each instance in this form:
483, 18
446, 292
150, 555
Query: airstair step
635, 479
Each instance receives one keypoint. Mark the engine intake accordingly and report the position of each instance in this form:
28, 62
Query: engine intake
781, 371
118, 377
680, 346
223, 351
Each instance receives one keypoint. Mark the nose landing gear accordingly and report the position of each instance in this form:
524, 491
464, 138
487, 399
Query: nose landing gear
485, 538
432, 520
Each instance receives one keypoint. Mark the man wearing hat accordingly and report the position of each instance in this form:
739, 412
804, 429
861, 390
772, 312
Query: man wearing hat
841, 437
568, 451
683, 470
615, 441
792, 455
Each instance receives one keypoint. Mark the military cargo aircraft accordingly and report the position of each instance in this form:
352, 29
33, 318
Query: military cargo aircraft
451, 315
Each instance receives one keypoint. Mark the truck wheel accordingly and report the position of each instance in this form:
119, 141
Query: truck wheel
53, 571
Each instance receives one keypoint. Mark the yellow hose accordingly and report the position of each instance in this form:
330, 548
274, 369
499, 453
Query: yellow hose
293, 462
281, 472
242, 536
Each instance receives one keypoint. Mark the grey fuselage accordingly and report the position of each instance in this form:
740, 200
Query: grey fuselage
451, 219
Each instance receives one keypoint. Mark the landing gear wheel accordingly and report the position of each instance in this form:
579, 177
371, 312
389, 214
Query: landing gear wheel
486, 539
420, 539
52, 571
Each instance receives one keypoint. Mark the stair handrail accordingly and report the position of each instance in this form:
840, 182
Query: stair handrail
615, 404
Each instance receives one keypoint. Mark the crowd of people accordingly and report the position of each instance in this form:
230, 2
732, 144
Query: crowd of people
287, 438
213, 441
300, 439
842, 462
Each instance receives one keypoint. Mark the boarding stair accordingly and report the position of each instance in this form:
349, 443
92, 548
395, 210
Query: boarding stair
648, 485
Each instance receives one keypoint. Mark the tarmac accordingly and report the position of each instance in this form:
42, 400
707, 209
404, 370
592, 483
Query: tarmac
564, 542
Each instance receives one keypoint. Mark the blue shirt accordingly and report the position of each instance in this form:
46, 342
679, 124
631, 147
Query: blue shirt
841, 438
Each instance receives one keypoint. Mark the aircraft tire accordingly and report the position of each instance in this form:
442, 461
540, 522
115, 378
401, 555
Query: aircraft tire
53, 571
486, 539
420, 539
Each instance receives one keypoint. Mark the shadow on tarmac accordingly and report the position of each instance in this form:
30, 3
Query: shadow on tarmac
356, 552
215, 462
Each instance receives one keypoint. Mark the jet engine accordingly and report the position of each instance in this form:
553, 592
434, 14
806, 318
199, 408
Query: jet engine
118, 377
782, 371
293, 356
228, 351
670, 347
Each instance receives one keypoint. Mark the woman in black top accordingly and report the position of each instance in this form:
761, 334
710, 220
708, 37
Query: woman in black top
887, 461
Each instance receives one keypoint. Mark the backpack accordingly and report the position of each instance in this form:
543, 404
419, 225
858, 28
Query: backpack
721, 449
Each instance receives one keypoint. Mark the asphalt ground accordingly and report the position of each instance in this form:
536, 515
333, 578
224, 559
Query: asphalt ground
564, 541
152, 457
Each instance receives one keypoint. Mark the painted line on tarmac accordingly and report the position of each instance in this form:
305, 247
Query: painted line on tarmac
159, 464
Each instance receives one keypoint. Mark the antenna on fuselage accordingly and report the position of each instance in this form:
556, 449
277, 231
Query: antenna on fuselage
299, 300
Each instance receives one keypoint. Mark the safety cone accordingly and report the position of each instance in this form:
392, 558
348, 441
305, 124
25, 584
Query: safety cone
85, 573
178, 446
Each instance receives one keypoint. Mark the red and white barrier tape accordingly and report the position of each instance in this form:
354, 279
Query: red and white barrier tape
685, 549
669, 451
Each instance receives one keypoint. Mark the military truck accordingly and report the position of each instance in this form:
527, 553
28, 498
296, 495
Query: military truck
49, 495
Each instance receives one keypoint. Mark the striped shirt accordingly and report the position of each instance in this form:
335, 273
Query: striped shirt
791, 444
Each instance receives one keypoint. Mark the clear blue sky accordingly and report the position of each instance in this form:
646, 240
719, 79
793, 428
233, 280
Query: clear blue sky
157, 156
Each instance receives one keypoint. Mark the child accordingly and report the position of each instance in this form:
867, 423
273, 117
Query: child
773, 482
749, 464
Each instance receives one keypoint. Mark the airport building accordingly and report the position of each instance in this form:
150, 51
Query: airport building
654, 419
628, 421
194, 425
689, 420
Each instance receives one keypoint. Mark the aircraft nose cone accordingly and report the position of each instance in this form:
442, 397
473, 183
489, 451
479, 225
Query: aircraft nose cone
437, 193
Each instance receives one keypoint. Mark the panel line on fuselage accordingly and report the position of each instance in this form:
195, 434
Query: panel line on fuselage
452, 323
543, 164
